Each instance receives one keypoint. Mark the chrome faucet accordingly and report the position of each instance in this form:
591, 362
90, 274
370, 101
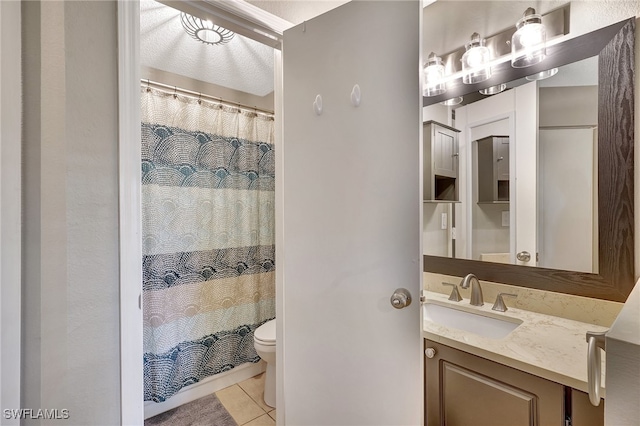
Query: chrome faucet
476, 290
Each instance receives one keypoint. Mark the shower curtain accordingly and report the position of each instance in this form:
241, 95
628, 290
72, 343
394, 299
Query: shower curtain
208, 238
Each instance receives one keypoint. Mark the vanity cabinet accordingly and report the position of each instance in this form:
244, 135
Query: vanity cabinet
493, 169
440, 162
462, 389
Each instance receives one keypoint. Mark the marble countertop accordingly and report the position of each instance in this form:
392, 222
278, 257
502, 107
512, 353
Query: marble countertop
550, 347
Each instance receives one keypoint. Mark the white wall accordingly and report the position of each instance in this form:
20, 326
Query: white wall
568, 106
489, 233
70, 285
435, 240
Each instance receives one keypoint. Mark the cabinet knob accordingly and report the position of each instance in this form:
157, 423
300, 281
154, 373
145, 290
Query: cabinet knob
430, 352
500, 159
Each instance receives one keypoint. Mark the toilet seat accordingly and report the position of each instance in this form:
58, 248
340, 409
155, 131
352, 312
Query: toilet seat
266, 333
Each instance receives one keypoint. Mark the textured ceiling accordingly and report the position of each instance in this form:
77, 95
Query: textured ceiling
242, 64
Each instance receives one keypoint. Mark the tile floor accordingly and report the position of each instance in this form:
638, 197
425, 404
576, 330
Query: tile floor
245, 403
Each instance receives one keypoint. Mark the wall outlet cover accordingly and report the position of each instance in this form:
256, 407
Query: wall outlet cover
505, 218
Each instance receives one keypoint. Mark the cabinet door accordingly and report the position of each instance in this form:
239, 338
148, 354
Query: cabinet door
445, 152
501, 150
583, 413
463, 389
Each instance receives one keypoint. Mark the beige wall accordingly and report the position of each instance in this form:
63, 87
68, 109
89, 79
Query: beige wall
70, 211
568, 106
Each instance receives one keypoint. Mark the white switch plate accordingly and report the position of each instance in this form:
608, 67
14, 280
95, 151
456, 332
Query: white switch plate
505, 218
444, 223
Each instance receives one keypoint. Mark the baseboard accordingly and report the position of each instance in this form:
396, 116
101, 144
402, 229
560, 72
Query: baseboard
205, 387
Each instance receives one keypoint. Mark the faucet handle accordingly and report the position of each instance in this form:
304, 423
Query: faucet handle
499, 303
455, 294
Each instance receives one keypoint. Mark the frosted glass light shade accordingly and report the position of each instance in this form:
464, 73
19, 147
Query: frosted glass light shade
542, 74
475, 61
528, 42
494, 90
452, 101
434, 76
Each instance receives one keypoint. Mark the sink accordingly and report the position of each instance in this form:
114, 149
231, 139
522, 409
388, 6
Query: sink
482, 325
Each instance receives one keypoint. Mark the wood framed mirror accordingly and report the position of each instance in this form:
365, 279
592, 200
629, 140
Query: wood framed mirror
615, 46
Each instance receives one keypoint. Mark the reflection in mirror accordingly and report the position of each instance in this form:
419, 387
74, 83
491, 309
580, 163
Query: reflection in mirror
613, 264
565, 225
567, 168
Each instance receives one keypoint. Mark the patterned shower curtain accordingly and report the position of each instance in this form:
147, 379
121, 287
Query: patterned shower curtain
208, 238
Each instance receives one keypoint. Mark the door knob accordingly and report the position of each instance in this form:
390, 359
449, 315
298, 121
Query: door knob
401, 298
523, 256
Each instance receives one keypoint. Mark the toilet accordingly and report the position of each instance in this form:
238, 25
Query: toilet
264, 340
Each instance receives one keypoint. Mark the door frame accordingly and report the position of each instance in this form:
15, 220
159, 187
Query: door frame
130, 224
10, 207
247, 20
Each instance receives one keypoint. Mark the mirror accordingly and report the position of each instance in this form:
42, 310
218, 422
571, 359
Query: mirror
564, 224
607, 272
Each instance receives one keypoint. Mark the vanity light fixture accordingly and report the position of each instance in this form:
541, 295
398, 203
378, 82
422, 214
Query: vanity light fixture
452, 101
433, 76
528, 42
475, 61
205, 31
494, 90
542, 74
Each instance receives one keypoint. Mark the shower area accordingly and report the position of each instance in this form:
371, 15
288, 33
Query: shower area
207, 198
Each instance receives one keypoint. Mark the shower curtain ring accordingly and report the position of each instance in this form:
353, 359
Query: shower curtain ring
175, 92
200, 99
148, 85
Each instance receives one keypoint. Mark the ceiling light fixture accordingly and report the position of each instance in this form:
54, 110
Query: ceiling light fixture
433, 76
475, 61
205, 31
542, 74
528, 42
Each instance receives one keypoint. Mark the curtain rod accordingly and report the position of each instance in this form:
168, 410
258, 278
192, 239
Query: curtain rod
198, 95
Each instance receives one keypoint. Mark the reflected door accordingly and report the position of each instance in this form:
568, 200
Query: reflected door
568, 228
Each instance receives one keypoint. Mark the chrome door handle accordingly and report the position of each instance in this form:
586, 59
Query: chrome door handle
594, 364
401, 298
523, 256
